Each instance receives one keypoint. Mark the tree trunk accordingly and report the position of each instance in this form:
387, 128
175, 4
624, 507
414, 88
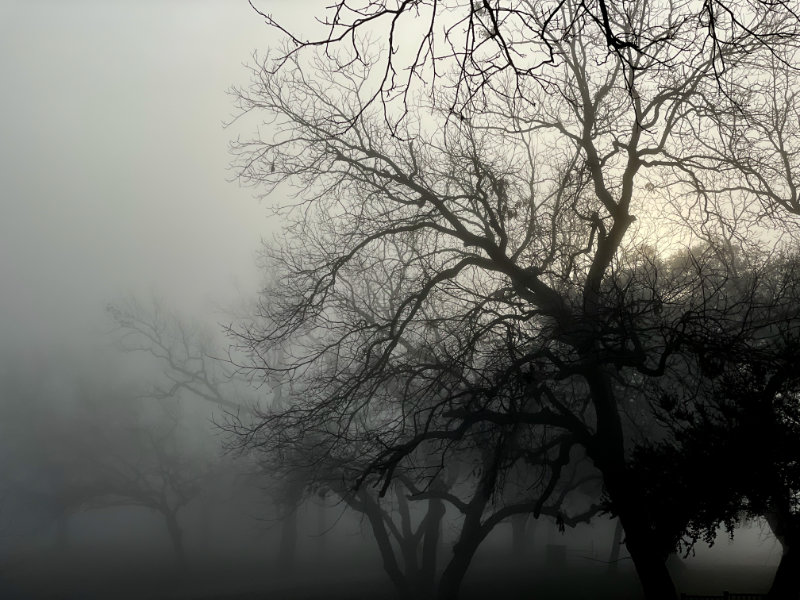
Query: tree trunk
456, 569
176, 537
613, 557
287, 549
642, 542
607, 450
430, 544
519, 541
408, 546
652, 569
786, 583
322, 528
453, 575
473, 533
375, 516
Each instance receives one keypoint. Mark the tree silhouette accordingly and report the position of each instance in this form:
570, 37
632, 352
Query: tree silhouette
95, 444
485, 49
733, 450
191, 363
406, 520
509, 210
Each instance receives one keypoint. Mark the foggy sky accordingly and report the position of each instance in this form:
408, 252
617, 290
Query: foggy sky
113, 160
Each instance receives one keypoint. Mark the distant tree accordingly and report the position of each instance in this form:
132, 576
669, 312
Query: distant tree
94, 444
146, 466
187, 357
40, 489
191, 364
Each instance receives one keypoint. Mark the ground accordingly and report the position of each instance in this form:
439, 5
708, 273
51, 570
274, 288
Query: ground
218, 581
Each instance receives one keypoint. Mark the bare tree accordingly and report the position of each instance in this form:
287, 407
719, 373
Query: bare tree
484, 49
184, 352
505, 207
406, 521
309, 439
193, 365
145, 466
96, 445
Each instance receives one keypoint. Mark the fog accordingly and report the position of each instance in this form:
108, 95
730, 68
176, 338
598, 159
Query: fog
119, 474
114, 184
114, 160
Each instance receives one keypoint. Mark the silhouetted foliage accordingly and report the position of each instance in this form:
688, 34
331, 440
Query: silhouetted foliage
733, 452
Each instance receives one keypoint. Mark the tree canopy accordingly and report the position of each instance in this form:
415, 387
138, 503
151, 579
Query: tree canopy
485, 244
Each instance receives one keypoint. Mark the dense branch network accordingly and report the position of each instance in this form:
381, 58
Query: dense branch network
479, 260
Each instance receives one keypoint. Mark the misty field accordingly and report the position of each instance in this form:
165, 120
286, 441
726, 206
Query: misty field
344, 568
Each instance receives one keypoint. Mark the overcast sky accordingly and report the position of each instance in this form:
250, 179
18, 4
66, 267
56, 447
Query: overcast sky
113, 159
